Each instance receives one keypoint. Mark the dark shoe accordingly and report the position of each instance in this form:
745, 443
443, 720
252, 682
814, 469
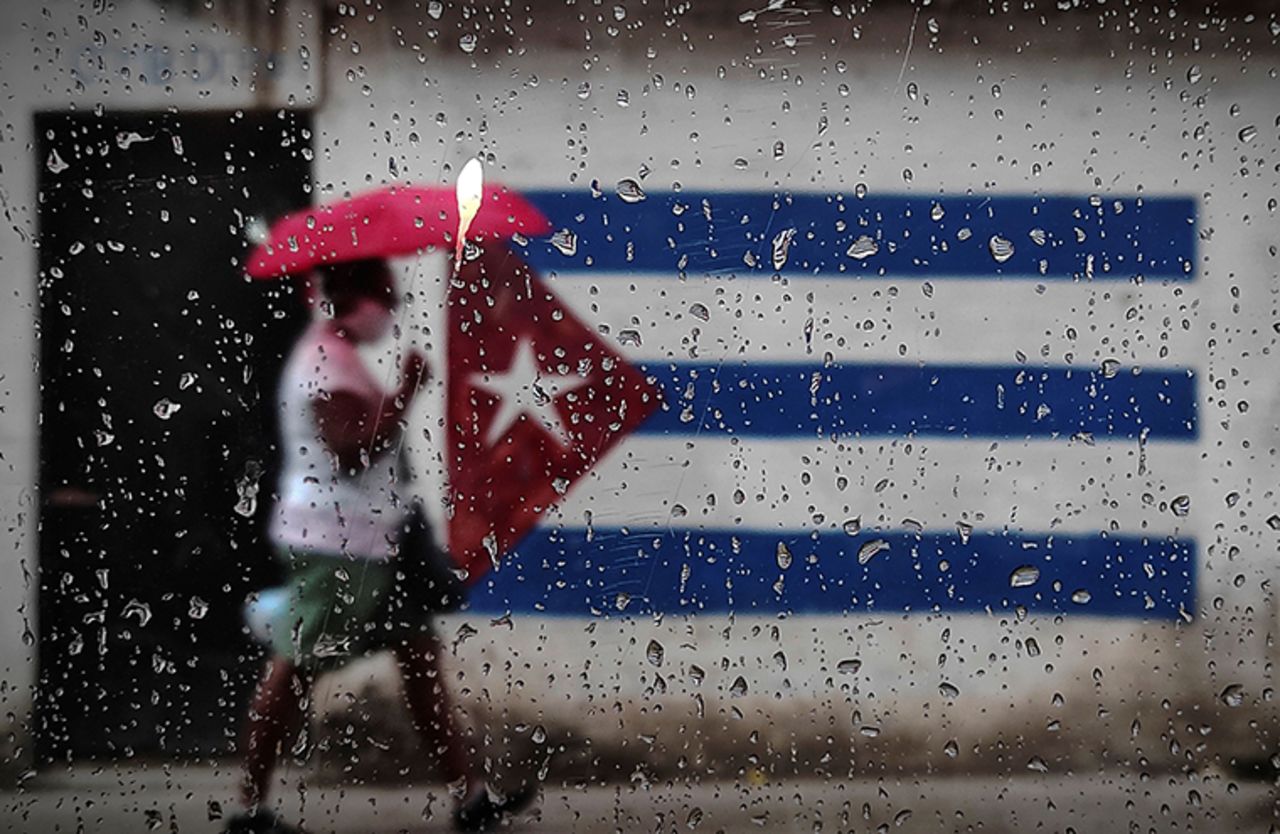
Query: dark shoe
259, 822
484, 813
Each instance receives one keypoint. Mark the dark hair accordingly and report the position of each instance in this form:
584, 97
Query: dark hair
346, 283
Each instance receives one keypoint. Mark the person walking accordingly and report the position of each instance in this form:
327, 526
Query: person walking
337, 526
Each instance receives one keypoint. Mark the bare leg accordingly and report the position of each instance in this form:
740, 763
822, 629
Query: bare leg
274, 712
430, 709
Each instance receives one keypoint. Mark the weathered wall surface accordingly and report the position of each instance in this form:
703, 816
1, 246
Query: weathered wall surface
1089, 102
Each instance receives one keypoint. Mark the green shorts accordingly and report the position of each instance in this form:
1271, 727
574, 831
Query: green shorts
340, 608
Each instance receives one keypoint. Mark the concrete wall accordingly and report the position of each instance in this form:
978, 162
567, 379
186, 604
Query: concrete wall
1100, 101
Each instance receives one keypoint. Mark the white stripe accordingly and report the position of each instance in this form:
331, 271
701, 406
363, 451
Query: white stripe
1037, 486
933, 321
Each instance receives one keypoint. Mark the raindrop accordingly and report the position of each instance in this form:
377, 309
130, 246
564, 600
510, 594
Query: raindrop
782, 248
699, 311
654, 653
1001, 248
1233, 695
863, 248
779, 149
937, 212
696, 674
629, 337
1038, 236
467, 43
1038, 764
1033, 648
566, 242
948, 690
951, 749
1274, 522
1194, 74
1181, 506
871, 549
849, 666
1081, 597
852, 526
1024, 576
965, 529
622, 600
739, 687
55, 163
784, 556
1248, 133
197, 608
165, 408
539, 734
629, 191
1110, 368
140, 609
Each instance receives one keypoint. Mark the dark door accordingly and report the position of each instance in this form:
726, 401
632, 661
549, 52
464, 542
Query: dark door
158, 363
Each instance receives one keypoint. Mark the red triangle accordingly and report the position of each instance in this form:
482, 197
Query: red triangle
497, 309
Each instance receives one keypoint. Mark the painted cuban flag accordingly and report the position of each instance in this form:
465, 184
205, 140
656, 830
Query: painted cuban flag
822, 403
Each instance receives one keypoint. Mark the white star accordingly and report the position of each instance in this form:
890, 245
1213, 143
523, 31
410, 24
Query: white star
523, 389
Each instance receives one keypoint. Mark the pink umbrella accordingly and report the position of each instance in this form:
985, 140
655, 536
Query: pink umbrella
395, 220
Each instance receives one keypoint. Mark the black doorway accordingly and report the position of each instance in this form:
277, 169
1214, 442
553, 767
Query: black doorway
158, 366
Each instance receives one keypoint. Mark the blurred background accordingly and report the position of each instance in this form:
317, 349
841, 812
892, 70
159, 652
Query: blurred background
963, 319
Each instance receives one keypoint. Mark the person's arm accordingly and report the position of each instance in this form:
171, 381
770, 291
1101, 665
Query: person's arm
354, 426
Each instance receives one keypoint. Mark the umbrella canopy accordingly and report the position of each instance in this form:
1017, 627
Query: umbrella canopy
396, 220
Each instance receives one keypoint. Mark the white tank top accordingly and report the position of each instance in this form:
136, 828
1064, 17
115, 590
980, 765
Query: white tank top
320, 508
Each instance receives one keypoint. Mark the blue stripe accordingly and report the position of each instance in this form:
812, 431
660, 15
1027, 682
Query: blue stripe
781, 400
617, 572
698, 233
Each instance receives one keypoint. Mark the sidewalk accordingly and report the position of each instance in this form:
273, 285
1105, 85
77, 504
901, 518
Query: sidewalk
183, 800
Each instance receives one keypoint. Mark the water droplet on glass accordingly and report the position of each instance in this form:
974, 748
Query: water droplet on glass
1194, 74
699, 311
197, 608
539, 734
1233, 695
1038, 764
1038, 236
871, 549
629, 337
654, 653
849, 666
782, 248
1081, 597
913, 91
783, 556
948, 690
139, 609
739, 687
1033, 648
863, 248
1001, 248
566, 242
1110, 368
619, 13
1181, 506
1248, 133
1274, 522
467, 43
937, 212
965, 529
629, 191
165, 408
622, 600
779, 149
55, 163
951, 749
852, 526
1024, 576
